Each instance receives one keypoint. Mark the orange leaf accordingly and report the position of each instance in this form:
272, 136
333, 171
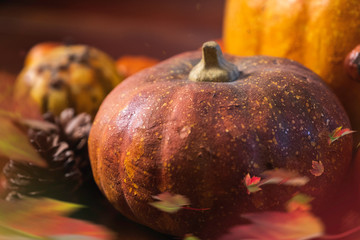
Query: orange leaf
298, 202
317, 168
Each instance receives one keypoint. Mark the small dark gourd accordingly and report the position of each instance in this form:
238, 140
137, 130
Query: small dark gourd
197, 131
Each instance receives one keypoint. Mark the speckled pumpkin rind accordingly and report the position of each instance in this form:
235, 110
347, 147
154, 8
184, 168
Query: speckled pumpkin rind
157, 131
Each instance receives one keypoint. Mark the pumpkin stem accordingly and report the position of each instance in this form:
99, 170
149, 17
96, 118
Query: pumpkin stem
213, 67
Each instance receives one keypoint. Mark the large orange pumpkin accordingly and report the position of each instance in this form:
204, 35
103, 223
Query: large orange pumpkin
197, 131
316, 33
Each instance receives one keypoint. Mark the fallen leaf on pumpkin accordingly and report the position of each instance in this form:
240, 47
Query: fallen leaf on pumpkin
170, 203
282, 176
15, 145
43, 219
338, 133
251, 183
296, 225
317, 168
299, 201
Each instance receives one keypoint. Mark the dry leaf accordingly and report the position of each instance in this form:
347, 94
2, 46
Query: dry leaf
317, 168
169, 203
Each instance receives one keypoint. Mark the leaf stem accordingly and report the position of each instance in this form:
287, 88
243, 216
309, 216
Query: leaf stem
195, 209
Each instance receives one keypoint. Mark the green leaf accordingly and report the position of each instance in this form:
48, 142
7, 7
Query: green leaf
43, 219
253, 188
15, 145
170, 203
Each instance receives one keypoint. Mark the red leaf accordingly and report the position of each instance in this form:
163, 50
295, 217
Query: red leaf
251, 183
295, 225
43, 218
317, 168
337, 133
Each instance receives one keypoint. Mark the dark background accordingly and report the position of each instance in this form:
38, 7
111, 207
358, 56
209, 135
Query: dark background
157, 28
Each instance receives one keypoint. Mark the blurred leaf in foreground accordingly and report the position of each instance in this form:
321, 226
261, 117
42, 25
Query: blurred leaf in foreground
44, 219
299, 201
283, 176
14, 144
296, 225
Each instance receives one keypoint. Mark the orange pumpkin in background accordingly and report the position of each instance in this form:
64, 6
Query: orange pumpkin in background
196, 129
127, 65
318, 34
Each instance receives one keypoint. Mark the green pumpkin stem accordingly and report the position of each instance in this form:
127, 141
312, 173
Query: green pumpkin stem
213, 67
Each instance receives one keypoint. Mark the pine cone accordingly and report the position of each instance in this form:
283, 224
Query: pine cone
74, 129
65, 151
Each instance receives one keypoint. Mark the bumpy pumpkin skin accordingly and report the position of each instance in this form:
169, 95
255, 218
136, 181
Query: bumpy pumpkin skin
58, 77
160, 132
318, 34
